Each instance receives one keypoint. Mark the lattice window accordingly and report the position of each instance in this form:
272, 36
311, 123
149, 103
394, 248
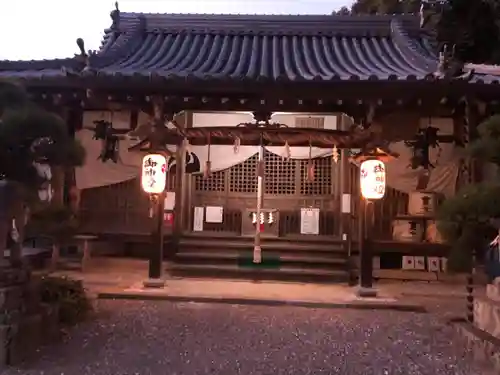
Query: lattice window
310, 122
214, 182
243, 176
279, 175
322, 177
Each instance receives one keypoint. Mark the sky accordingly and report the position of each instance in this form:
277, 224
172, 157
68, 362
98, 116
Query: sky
45, 29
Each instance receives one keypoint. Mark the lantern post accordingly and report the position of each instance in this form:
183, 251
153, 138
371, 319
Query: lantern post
372, 187
153, 182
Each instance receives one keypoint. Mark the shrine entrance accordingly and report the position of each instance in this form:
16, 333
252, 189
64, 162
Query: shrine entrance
286, 190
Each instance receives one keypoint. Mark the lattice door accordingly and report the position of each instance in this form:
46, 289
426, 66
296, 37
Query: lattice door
323, 177
280, 175
243, 176
215, 182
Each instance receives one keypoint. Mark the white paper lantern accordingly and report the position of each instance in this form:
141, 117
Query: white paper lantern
372, 179
154, 173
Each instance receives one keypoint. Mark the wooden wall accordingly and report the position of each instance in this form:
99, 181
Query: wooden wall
124, 209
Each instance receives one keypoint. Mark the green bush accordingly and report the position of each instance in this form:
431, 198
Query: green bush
52, 220
69, 295
467, 219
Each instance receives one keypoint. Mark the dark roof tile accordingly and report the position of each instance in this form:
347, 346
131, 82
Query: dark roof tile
293, 48
38, 69
261, 48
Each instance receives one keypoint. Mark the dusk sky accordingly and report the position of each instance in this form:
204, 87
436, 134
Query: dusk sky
38, 29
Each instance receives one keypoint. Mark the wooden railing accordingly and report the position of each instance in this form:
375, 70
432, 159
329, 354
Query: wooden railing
231, 223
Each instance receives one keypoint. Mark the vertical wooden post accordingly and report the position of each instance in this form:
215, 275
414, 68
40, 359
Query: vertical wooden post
156, 245
156, 252
180, 177
365, 249
345, 223
74, 122
186, 181
65, 190
345, 191
180, 184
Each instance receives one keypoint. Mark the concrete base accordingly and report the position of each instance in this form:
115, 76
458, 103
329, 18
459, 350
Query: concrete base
487, 310
366, 292
483, 346
154, 283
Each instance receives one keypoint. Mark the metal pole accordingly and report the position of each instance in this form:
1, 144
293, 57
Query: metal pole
257, 251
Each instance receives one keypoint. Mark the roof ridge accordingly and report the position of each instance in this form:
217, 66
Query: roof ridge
266, 24
38, 64
411, 48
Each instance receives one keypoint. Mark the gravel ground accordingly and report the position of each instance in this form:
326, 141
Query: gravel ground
189, 339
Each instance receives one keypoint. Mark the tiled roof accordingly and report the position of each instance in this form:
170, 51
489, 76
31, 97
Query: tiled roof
38, 69
484, 73
287, 48
284, 48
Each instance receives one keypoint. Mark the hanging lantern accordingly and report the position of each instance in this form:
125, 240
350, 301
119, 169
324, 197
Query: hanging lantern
237, 144
310, 165
372, 179
261, 219
310, 171
154, 173
208, 164
335, 154
288, 152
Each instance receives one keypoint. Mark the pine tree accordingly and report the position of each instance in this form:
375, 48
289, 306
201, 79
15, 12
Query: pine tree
469, 219
28, 135
471, 28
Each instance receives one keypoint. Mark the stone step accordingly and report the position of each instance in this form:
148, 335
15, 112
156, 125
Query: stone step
493, 292
487, 315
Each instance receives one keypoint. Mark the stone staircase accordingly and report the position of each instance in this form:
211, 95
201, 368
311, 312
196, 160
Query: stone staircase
205, 255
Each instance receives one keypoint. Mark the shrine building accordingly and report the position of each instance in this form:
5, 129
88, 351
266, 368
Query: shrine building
379, 75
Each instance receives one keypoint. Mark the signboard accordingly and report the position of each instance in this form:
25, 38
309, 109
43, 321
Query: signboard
199, 212
154, 173
309, 220
214, 214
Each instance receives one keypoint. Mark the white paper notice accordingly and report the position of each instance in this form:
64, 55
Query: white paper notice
214, 214
170, 201
346, 203
198, 219
309, 220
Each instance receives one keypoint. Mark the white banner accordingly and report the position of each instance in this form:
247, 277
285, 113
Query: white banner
223, 157
95, 173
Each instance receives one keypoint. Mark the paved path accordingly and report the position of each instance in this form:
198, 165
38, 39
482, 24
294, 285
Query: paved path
133, 337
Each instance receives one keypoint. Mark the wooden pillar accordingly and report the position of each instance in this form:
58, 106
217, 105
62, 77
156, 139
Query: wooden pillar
345, 197
180, 176
186, 182
71, 195
344, 187
58, 172
156, 245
